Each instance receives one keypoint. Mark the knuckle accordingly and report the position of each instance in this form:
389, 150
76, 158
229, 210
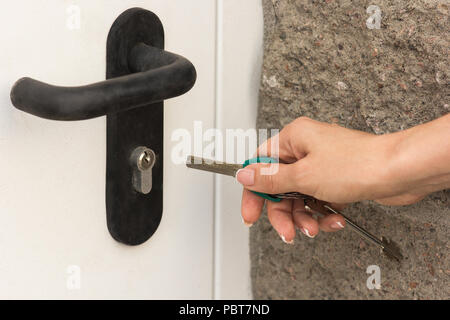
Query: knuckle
304, 124
303, 119
296, 123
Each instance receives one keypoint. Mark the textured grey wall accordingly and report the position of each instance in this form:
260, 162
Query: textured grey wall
322, 61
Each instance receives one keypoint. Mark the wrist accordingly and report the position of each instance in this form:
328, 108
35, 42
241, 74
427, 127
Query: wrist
392, 172
416, 160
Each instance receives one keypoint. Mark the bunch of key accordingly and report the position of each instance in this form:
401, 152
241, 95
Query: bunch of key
389, 248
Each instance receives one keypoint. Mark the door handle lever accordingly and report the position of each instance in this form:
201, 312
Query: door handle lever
140, 76
154, 75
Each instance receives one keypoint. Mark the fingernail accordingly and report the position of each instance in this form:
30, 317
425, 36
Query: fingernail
337, 225
247, 224
306, 233
284, 239
245, 177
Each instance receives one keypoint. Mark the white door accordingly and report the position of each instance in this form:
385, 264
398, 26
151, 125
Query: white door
54, 242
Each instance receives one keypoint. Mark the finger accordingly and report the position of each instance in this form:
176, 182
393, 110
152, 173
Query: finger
277, 147
280, 145
331, 223
270, 178
251, 207
303, 220
280, 216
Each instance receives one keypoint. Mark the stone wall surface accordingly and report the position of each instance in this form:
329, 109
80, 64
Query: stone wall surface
322, 61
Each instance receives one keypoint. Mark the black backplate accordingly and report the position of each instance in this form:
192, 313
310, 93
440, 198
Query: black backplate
133, 217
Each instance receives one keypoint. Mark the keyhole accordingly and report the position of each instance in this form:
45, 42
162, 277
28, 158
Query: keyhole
143, 159
146, 160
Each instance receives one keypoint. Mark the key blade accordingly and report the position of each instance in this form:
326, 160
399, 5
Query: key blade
210, 165
391, 249
388, 247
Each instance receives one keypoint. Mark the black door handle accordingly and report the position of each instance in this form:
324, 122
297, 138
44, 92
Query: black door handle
140, 76
155, 75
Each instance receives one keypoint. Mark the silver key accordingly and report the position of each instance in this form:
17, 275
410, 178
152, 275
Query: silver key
389, 248
213, 166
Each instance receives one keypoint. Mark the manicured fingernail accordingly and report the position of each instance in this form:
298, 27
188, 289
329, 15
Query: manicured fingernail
337, 225
306, 233
284, 239
248, 224
245, 176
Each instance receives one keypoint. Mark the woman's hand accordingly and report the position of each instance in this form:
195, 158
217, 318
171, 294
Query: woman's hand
337, 165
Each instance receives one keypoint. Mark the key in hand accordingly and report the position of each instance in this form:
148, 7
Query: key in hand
313, 205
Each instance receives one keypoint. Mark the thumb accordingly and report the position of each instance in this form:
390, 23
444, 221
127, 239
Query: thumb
269, 178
